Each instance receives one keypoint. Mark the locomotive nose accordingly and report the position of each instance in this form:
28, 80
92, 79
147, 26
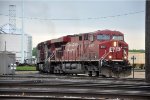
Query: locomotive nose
116, 50
123, 50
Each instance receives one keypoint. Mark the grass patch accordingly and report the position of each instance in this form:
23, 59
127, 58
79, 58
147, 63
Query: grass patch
26, 68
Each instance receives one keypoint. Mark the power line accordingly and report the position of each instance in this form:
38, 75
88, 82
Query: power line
90, 18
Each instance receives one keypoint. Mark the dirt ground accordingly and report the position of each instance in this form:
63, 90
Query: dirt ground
138, 75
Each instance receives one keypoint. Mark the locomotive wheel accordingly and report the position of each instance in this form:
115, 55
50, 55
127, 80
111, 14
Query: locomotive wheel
97, 73
104, 76
90, 73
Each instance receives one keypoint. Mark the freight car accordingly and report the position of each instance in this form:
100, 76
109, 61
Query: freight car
103, 52
139, 62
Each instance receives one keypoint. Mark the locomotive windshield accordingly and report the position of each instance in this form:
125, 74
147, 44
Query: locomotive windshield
103, 37
117, 38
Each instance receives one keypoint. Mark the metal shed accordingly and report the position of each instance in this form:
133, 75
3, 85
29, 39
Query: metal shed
7, 59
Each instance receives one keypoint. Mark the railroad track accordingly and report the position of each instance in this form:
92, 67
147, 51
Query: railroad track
74, 89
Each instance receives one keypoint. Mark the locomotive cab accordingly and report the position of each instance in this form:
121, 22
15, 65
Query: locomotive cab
113, 55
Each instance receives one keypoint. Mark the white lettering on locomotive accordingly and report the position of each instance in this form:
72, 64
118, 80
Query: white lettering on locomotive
113, 49
72, 46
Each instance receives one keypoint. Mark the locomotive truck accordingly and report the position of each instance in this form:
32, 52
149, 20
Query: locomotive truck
102, 52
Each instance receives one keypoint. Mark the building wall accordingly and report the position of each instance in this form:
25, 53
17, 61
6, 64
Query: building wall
13, 44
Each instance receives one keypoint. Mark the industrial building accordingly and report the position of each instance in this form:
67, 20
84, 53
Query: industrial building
7, 62
12, 43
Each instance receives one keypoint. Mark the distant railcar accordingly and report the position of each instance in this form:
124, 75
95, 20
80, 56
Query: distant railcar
96, 53
139, 62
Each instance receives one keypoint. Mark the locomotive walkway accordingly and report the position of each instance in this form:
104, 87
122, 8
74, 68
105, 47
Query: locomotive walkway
73, 88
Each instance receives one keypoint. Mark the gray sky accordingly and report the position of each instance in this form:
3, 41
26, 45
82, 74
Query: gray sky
47, 19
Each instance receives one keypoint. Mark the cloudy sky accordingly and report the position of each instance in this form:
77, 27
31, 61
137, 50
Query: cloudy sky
47, 19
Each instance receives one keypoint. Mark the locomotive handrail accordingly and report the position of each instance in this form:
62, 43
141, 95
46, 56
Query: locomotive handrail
52, 55
103, 57
49, 58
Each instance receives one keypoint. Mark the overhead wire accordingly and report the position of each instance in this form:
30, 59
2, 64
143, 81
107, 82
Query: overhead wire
90, 18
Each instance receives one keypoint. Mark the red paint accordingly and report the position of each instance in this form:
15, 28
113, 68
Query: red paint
75, 49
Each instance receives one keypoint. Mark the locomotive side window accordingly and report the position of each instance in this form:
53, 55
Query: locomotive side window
103, 37
117, 37
91, 38
86, 37
80, 38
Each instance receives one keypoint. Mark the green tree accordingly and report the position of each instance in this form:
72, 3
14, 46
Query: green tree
135, 50
34, 52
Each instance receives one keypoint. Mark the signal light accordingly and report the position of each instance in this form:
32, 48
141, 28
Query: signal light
125, 57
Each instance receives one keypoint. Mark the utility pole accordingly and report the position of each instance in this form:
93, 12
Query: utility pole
5, 46
147, 42
133, 58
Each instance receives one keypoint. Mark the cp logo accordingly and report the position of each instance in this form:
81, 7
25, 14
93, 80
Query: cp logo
113, 49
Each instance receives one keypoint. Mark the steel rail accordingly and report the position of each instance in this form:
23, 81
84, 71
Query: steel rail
6, 97
76, 92
78, 85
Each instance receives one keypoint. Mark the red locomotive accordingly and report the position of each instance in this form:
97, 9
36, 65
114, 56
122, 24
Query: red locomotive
96, 53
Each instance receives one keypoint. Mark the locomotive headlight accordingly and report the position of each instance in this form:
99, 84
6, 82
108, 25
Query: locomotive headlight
125, 57
115, 44
110, 57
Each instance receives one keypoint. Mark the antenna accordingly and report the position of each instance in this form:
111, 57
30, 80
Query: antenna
22, 37
12, 18
5, 45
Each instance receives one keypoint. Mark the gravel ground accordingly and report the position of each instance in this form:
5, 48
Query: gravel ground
136, 74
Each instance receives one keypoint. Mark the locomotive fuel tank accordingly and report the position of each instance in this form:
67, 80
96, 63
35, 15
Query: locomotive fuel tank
73, 68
